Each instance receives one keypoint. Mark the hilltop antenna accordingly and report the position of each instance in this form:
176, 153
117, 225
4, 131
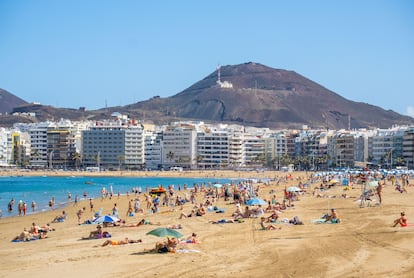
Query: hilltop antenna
218, 74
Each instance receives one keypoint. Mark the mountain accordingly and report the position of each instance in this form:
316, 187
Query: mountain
8, 101
249, 94
266, 97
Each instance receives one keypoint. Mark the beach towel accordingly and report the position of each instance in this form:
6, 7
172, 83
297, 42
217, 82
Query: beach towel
323, 221
188, 241
188, 251
216, 210
30, 239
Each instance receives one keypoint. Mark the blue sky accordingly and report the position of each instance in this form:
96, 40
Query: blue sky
96, 53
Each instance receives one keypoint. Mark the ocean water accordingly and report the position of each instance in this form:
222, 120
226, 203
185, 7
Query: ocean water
42, 189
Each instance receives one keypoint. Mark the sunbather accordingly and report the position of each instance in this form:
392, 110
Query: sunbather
333, 217
268, 227
191, 214
95, 234
165, 247
402, 220
222, 221
26, 236
60, 218
120, 242
191, 239
140, 223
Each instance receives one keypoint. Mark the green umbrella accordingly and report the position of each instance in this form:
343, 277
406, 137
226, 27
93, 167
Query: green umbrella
162, 232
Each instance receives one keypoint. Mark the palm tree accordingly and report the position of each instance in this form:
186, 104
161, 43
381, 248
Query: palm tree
77, 158
121, 158
65, 158
285, 160
35, 154
199, 159
170, 156
399, 161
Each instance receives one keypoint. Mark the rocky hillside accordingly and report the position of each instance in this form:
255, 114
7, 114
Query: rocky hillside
267, 97
9, 101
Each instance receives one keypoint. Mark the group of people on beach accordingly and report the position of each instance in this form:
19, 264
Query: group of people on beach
35, 232
268, 217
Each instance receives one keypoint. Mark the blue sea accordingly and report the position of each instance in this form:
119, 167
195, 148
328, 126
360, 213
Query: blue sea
42, 189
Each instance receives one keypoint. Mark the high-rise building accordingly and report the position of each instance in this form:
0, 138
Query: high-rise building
113, 146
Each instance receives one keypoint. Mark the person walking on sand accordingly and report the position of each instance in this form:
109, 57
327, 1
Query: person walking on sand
379, 191
79, 214
402, 220
33, 206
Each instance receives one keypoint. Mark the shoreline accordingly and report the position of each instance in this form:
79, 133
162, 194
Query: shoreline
185, 173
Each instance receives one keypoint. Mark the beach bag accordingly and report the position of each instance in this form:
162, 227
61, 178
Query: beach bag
106, 234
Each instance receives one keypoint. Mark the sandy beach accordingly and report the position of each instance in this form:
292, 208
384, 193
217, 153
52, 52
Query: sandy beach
363, 245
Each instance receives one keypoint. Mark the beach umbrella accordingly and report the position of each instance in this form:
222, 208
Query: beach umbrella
255, 201
106, 219
293, 189
163, 232
217, 185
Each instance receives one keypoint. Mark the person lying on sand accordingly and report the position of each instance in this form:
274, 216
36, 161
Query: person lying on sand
26, 236
120, 242
175, 226
140, 223
222, 221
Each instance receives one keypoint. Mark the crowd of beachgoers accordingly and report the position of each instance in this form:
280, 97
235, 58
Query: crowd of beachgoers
182, 214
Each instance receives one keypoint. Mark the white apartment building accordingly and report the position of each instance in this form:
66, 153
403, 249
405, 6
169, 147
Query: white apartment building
408, 147
179, 143
38, 142
5, 154
213, 148
275, 148
113, 146
387, 147
153, 149
254, 150
236, 147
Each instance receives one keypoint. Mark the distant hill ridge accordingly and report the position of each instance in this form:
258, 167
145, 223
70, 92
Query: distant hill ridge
267, 97
8, 101
258, 96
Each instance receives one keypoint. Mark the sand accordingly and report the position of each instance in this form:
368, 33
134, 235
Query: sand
363, 245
